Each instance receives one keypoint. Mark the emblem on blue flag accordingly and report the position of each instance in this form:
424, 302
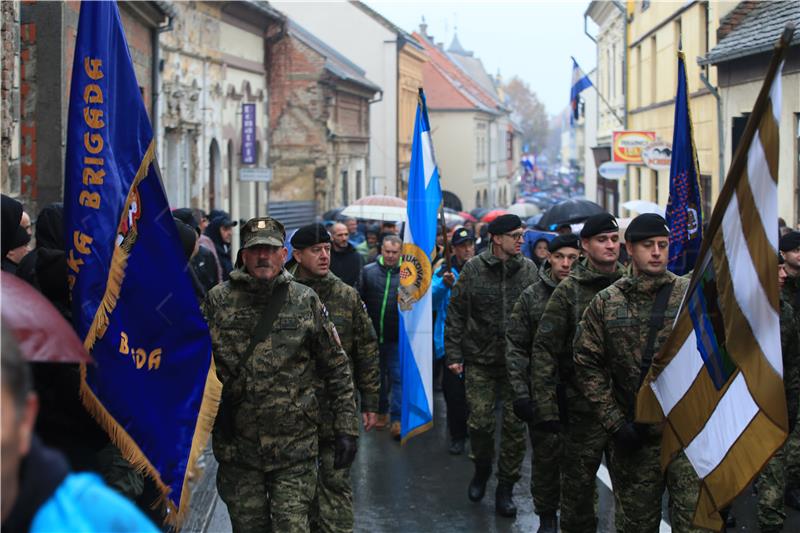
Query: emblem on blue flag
153, 387
684, 209
415, 341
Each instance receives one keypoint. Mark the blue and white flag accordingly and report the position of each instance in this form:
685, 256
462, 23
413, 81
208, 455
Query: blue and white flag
580, 82
414, 295
153, 387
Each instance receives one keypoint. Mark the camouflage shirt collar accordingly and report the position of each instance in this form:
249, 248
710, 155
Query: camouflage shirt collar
646, 283
513, 263
546, 275
584, 272
241, 280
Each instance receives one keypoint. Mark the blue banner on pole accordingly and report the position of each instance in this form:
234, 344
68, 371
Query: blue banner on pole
133, 302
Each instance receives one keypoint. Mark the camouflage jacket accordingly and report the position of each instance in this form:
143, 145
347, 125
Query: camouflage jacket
551, 360
611, 338
349, 315
522, 328
791, 291
276, 423
790, 344
480, 307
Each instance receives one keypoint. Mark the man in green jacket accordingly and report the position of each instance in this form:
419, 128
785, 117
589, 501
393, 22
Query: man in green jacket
556, 397
266, 435
477, 316
563, 251
332, 510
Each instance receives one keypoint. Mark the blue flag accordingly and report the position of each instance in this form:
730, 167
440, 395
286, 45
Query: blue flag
414, 296
580, 82
684, 209
133, 302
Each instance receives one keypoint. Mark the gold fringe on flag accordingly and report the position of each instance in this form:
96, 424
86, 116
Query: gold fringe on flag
119, 437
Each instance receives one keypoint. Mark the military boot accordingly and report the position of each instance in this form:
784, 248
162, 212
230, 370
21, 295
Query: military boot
503, 503
477, 487
547, 523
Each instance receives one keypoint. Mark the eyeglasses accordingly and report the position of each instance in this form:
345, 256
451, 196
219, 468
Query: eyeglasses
516, 236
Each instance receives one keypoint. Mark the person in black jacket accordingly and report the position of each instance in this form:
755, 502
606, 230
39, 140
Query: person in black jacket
220, 230
378, 288
346, 262
204, 264
15, 238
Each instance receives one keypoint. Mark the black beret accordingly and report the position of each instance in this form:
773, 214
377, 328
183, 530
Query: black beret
462, 235
310, 235
781, 260
789, 242
504, 224
567, 240
646, 226
185, 215
597, 224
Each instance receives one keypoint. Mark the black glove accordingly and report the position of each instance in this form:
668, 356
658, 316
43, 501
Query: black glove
523, 408
628, 439
344, 451
548, 426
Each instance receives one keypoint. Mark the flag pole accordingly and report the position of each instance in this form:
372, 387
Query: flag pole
740, 156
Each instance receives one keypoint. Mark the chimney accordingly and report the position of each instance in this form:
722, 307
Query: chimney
423, 27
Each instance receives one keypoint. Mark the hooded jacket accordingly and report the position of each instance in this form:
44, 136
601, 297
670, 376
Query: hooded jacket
13, 234
222, 249
347, 264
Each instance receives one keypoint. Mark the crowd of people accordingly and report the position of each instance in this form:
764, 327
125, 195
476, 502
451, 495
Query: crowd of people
554, 331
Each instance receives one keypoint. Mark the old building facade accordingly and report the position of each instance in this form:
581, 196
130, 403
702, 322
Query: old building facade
319, 123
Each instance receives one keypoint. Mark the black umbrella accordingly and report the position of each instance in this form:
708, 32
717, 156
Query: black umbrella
569, 212
332, 213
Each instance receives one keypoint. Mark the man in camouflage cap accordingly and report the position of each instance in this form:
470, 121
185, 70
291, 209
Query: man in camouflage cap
266, 434
475, 344
563, 251
332, 510
553, 389
622, 329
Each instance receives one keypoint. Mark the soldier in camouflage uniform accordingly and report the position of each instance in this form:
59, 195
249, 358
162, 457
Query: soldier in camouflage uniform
265, 438
789, 246
771, 482
609, 350
563, 251
555, 396
332, 510
477, 315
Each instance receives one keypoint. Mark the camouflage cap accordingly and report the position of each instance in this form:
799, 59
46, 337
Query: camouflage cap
263, 231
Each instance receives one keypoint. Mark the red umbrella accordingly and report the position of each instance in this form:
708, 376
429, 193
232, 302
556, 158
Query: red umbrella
493, 214
43, 334
467, 216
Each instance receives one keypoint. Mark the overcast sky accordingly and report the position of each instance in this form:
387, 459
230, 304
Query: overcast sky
533, 40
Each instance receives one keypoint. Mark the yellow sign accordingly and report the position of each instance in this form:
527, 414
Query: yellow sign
628, 145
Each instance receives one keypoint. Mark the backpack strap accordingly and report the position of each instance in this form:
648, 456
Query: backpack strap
656, 322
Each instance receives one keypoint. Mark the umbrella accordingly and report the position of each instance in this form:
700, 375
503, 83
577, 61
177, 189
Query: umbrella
523, 210
569, 212
451, 215
534, 220
42, 333
466, 216
331, 214
478, 212
377, 207
643, 206
493, 214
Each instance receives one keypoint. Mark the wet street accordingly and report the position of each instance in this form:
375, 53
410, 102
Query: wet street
421, 488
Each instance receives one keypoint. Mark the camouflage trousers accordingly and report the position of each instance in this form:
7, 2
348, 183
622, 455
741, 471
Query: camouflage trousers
545, 471
792, 457
332, 509
683, 486
584, 441
483, 387
279, 500
771, 483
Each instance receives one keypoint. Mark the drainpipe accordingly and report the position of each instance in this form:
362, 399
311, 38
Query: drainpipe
720, 131
155, 78
624, 12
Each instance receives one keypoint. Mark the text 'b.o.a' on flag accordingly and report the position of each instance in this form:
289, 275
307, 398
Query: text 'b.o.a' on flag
153, 387
718, 380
